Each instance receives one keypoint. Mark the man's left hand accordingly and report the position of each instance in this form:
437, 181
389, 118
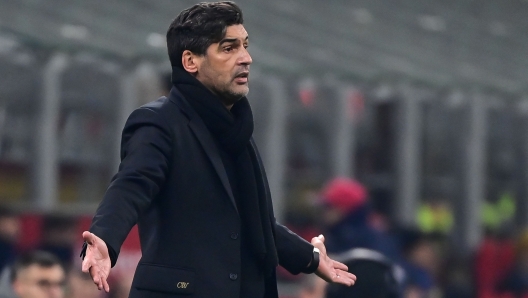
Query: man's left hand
331, 270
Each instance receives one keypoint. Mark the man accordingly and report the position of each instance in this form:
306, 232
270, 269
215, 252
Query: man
9, 233
38, 274
347, 219
311, 287
59, 235
192, 179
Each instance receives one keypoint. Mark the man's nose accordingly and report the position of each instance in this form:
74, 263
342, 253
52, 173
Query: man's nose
245, 58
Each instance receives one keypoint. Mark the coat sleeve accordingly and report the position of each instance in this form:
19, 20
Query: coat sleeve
145, 156
295, 253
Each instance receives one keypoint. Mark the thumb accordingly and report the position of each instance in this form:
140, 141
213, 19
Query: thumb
318, 240
88, 237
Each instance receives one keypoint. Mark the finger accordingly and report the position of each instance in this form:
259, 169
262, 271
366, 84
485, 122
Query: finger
99, 281
339, 265
95, 277
321, 237
105, 285
346, 282
348, 275
349, 278
353, 277
345, 279
352, 281
100, 284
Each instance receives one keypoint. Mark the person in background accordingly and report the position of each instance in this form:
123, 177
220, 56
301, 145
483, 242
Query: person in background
59, 235
494, 258
420, 263
9, 231
38, 274
311, 287
515, 282
345, 219
456, 277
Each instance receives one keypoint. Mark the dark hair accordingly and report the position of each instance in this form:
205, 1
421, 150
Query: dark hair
199, 26
58, 222
37, 257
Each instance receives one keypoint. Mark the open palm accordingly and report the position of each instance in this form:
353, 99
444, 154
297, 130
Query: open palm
97, 260
331, 270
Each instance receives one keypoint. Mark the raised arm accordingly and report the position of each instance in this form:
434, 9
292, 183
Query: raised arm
145, 157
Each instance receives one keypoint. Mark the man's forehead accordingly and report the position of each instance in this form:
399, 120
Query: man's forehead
236, 31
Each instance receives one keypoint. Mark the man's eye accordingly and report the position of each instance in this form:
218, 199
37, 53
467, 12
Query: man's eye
228, 49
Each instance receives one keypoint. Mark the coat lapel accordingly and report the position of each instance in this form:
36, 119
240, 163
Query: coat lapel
204, 137
263, 176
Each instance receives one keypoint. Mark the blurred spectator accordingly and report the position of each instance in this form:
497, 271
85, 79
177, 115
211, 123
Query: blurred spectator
494, 258
457, 278
435, 217
312, 287
420, 263
9, 231
515, 282
80, 285
38, 274
59, 236
413, 291
378, 277
346, 219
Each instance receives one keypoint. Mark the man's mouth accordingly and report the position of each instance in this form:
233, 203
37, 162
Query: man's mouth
242, 77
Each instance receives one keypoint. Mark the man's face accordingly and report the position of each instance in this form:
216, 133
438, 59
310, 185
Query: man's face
224, 69
9, 228
40, 282
331, 216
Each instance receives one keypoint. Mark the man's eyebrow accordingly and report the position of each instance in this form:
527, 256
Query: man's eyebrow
228, 40
231, 40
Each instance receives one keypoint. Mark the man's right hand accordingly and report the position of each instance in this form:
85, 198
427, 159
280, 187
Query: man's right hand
97, 260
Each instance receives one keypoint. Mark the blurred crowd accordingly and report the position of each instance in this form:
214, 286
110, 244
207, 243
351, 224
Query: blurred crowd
418, 261
389, 260
49, 267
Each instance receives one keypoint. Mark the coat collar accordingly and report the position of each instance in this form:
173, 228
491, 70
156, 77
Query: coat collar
205, 138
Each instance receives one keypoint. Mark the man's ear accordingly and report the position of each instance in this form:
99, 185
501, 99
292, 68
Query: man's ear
190, 61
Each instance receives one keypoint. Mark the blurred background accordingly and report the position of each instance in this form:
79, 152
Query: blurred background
422, 103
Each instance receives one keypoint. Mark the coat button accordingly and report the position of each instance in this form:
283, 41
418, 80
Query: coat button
234, 236
233, 276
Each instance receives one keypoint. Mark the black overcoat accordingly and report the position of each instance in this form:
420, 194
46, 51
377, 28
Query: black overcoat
173, 184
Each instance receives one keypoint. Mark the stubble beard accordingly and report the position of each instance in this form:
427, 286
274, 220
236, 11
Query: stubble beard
229, 96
